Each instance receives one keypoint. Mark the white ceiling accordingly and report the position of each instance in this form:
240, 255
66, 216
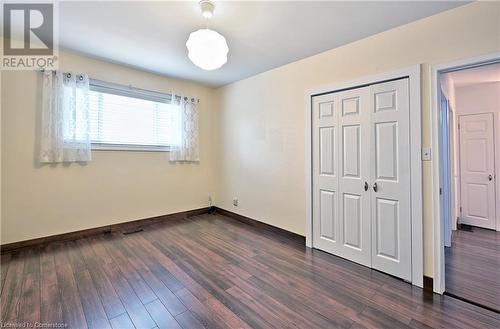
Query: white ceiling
476, 75
261, 35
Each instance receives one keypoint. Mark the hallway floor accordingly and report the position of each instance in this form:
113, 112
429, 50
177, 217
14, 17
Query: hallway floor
473, 266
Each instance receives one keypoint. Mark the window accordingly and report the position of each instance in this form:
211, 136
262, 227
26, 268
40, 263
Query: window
128, 118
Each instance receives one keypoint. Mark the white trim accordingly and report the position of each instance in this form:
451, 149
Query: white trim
308, 122
417, 236
438, 279
439, 267
413, 73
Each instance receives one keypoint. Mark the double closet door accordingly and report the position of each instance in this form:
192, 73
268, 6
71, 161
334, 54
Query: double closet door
361, 176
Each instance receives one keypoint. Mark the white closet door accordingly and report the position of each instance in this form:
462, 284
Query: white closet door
390, 206
325, 174
353, 108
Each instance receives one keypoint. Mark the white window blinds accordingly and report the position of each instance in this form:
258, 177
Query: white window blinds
123, 116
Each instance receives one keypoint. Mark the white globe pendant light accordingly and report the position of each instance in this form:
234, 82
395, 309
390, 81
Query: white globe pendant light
207, 49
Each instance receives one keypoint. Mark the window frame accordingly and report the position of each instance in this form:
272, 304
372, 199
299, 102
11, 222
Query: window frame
129, 91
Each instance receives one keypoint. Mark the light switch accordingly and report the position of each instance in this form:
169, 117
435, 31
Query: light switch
426, 154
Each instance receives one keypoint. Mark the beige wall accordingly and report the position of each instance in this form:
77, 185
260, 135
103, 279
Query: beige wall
115, 187
262, 121
478, 98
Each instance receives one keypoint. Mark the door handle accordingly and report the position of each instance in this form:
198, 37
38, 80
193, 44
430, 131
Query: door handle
366, 186
375, 187
490, 177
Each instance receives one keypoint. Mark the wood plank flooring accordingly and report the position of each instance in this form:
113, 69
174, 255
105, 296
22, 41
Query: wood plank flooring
473, 266
212, 271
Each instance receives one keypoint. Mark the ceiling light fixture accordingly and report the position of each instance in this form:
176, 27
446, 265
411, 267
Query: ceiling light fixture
207, 8
207, 49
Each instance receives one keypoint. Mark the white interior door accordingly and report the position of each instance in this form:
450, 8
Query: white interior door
353, 108
390, 197
477, 167
341, 167
325, 174
361, 176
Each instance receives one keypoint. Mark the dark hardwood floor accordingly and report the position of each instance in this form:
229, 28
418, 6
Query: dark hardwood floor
473, 266
211, 271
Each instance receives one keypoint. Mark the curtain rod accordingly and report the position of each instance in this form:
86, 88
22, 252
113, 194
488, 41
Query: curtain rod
101, 83
128, 86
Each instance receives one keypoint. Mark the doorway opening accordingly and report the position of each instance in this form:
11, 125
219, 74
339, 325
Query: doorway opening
468, 136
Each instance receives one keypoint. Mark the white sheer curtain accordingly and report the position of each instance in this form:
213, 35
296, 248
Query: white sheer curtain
188, 148
65, 125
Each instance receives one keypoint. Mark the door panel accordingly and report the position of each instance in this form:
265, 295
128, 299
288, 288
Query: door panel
350, 149
477, 166
350, 106
352, 220
326, 156
326, 110
387, 228
476, 150
391, 221
327, 214
477, 192
354, 148
386, 141
325, 180
385, 100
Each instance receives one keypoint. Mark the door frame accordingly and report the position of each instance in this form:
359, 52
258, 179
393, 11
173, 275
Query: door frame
447, 183
413, 75
436, 71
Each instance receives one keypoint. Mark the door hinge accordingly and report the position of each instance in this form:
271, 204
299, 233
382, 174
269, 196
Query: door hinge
460, 209
459, 126
440, 191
